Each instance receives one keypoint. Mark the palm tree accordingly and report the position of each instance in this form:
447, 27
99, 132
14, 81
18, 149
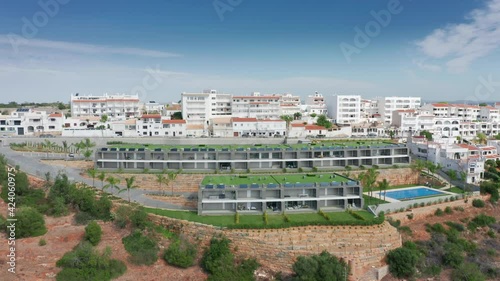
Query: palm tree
171, 178
418, 166
368, 179
383, 185
481, 138
92, 172
130, 185
112, 182
297, 115
65, 145
102, 177
160, 178
288, 119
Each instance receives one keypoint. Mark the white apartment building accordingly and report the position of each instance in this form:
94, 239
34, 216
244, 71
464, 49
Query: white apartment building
255, 127
200, 108
290, 104
387, 105
25, 121
116, 106
463, 111
489, 113
370, 110
256, 106
315, 104
344, 109
151, 107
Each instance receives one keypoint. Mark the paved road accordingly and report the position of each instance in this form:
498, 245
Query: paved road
34, 166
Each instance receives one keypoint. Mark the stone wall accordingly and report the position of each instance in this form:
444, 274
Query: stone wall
398, 176
277, 249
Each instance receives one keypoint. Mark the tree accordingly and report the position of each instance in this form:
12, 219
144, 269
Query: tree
65, 145
323, 121
93, 233
288, 119
402, 262
160, 178
102, 176
30, 223
418, 166
297, 116
320, 267
61, 106
129, 185
383, 185
368, 179
481, 138
497, 137
92, 172
87, 153
483, 104
313, 115
180, 253
112, 182
177, 115
104, 118
426, 134
171, 178
392, 134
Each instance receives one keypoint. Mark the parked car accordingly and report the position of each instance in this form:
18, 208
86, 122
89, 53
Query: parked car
71, 155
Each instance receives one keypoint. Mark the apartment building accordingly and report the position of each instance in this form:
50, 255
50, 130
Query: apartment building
489, 113
344, 109
200, 108
117, 106
463, 111
387, 105
26, 121
315, 104
152, 107
253, 127
257, 106
289, 104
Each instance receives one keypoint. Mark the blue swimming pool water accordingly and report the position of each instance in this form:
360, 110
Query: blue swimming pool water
412, 193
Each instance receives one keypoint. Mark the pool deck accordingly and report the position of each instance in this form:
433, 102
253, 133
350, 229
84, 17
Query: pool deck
392, 200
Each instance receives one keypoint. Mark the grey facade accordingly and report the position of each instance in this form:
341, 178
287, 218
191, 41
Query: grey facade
254, 158
275, 198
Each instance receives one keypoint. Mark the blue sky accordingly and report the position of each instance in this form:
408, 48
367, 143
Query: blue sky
435, 49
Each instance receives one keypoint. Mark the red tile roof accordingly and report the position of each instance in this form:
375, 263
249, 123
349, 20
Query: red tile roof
239, 119
256, 97
55, 115
156, 116
468, 146
298, 125
315, 127
173, 121
440, 104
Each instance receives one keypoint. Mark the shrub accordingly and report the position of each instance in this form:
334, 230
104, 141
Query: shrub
143, 250
121, 215
453, 255
448, 210
491, 233
459, 208
93, 233
490, 188
410, 216
320, 267
139, 218
180, 253
402, 262
85, 263
42, 242
454, 225
478, 203
395, 224
437, 227
83, 218
30, 223
58, 208
438, 212
480, 221
467, 272
405, 230
422, 204
415, 205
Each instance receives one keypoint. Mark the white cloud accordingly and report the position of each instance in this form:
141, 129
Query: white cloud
81, 48
427, 66
459, 45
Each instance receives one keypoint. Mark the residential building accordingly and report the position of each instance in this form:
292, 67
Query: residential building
26, 121
253, 127
200, 108
256, 106
315, 104
152, 107
387, 105
117, 106
289, 104
344, 109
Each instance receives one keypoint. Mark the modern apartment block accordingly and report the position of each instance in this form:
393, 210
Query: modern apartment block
255, 194
315, 104
243, 158
387, 105
256, 106
344, 109
26, 121
200, 108
115, 106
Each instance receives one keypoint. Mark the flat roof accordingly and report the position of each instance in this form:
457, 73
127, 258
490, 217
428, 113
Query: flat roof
273, 179
319, 144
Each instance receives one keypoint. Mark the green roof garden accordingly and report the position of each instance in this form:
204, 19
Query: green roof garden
273, 179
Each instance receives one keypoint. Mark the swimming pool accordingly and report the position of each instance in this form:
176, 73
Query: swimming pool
413, 193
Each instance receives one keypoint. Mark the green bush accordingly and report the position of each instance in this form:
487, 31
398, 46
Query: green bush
453, 255
491, 188
84, 263
30, 223
437, 227
93, 233
402, 262
58, 207
180, 253
143, 250
320, 267
480, 221
42, 242
467, 272
83, 218
454, 225
120, 217
448, 210
139, 218
478, 203
439, 212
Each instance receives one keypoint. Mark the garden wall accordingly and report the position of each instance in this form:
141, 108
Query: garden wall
277, 249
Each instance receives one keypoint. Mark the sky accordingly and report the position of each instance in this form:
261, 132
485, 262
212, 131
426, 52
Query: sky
438, 50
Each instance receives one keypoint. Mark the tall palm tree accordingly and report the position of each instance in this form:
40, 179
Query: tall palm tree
102, 176
288, 119
171, 178
368, 179
383, 185
129, 185
112, 182
160, 178
92, 172
65, 145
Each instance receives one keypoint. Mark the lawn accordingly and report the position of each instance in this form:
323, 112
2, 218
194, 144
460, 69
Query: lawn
455, 189
373, 200
275, 179
309, 178
258, 220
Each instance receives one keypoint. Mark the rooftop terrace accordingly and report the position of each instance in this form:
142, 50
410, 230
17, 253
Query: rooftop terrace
317, 145
273, 179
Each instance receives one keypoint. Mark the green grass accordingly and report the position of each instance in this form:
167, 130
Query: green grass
257, 220
276, 179
234, 146
454, 189
373, 200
